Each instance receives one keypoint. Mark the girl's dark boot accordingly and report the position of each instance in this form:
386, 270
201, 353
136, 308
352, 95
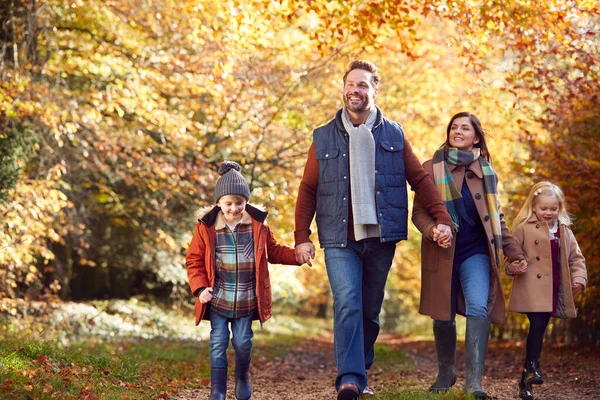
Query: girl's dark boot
534, 376
243, 390
218, 383
525, 392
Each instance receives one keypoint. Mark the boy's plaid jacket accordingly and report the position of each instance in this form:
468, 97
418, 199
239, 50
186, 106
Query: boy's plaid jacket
200, 260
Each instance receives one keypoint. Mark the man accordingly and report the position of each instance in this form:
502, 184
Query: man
355, 181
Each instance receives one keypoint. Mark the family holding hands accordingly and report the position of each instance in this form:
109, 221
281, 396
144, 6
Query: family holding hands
355, 185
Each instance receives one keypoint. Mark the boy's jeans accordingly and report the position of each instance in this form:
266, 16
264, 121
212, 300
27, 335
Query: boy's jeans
219, 339
357, 275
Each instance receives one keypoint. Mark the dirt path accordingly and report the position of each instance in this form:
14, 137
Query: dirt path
308, 372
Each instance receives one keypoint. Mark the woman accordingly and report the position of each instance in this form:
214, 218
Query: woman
463, 277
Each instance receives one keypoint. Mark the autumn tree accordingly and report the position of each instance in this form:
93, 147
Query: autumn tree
116, 114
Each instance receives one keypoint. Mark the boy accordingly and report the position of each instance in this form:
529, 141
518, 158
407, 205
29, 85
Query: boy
227, 265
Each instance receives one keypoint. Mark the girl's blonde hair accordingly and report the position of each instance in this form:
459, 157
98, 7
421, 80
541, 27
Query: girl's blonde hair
547, 189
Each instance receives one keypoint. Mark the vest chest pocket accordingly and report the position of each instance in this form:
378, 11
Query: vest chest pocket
329, 164
392, 146
390, 162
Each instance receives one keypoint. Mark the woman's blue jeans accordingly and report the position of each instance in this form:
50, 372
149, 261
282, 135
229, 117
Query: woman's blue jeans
357, 275
219, 339
473, 277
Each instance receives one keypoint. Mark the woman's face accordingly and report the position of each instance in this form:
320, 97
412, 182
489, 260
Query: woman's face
462, 134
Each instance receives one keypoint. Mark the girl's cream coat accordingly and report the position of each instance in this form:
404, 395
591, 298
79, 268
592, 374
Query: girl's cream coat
532, 291
436, 262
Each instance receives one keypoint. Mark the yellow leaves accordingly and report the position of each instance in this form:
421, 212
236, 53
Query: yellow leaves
86, 262
53, 236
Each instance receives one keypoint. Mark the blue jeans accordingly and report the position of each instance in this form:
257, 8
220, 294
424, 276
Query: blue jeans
357, 275
473, 276
219, 339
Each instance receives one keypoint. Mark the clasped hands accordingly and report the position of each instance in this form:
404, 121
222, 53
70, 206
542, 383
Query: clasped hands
442, 234
304, 253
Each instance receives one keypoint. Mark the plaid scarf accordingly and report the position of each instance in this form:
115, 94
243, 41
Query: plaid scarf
451, 193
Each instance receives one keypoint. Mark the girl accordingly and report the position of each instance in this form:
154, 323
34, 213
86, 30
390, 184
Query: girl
555, 271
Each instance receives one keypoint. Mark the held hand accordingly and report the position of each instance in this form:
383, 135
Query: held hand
304, 253
577, 288
442, 234
206, 295
442, 240
517, 267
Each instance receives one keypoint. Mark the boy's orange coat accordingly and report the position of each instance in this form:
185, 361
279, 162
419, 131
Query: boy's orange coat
200, 259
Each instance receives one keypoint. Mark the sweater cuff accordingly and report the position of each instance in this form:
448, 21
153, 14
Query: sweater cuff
443, 219
302, 237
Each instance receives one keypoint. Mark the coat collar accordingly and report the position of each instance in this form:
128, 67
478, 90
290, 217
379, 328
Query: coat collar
220, 222
533, 219
209, 215
475, 167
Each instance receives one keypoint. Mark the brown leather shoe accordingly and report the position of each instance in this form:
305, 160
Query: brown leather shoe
348, 391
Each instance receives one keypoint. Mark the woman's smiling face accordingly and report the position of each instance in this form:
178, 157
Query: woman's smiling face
462, 134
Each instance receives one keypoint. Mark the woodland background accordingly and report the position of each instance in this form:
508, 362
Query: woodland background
115, 115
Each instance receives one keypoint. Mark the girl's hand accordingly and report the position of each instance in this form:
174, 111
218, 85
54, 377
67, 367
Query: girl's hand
517, 267
206, 295
577, 288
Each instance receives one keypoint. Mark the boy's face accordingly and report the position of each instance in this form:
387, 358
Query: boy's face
233, 207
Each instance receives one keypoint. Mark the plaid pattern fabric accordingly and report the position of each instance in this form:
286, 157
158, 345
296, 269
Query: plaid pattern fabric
445, 182
234, 293
490, 185
451, 193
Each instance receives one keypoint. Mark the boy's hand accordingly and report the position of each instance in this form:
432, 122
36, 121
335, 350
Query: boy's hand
517, 267
577, 288
304, 253
206, 295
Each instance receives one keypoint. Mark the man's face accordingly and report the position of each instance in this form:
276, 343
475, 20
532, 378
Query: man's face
359, 93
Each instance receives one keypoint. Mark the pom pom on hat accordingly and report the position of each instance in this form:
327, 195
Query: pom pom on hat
231, 182
227, 166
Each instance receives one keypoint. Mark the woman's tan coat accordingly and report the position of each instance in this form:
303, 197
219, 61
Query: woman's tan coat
532, 290
436, 262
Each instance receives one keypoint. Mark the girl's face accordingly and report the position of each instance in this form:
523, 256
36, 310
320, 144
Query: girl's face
546, 208
232, 207
462, 134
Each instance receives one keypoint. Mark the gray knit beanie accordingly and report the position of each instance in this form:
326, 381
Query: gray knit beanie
231, 181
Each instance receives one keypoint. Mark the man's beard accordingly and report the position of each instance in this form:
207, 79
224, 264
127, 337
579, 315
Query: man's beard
362, 106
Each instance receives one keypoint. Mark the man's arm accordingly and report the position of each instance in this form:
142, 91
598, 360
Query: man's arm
422, 184
306, 203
